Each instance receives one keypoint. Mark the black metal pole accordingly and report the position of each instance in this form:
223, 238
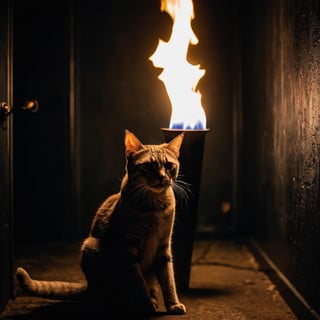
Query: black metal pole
191, 154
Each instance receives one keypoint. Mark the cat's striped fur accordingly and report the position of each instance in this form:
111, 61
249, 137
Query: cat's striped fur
127, 254
50, 289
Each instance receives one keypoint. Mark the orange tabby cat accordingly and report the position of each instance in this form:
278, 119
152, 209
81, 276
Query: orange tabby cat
127, 254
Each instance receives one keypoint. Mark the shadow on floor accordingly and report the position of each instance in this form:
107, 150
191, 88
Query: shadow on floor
225, 283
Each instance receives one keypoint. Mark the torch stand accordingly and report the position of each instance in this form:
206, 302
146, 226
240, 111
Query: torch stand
191, 154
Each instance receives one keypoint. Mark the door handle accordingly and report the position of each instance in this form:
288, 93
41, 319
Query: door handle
30, 105
5, 110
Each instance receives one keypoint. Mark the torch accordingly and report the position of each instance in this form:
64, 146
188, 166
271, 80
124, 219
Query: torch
186, 210
181, 79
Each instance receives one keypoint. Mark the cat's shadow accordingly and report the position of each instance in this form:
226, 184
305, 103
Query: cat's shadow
76, 310
64, 309
204, 292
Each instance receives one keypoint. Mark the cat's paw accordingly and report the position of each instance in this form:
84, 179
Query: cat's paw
154, 302
148, 309
178, 308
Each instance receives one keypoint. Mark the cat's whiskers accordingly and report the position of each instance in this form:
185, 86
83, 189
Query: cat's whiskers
182, 190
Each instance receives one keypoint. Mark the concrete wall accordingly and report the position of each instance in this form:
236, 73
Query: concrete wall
281, 90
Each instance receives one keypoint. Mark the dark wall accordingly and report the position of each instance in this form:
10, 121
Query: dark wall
69, 156
281, 138
118, 88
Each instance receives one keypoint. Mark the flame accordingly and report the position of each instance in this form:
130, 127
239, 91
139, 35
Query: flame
179, 76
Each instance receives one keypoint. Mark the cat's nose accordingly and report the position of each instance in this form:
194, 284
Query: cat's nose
162, 175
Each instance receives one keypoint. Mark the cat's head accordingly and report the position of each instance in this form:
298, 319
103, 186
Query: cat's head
152, 167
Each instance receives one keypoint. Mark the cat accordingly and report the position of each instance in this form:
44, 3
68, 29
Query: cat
127, 255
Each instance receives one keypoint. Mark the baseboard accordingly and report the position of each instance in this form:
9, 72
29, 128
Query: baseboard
290, 294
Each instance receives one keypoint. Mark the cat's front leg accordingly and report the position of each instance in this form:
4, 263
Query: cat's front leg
138, 292
140, 299
167, 283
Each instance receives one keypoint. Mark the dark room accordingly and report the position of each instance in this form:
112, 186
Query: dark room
199, 120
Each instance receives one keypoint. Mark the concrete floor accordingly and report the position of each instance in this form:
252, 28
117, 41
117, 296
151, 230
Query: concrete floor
226, 283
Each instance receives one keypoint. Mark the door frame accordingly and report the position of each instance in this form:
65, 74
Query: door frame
6, 161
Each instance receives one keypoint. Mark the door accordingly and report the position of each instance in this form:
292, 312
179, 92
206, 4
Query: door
43, 167
6, 271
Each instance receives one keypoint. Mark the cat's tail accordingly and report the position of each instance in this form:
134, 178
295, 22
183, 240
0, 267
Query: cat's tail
50, 289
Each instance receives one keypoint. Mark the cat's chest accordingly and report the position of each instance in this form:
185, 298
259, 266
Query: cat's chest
147, 225
157, 237
149, 250
151, 230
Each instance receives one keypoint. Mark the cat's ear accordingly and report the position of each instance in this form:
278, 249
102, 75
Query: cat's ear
132, 143
175, 144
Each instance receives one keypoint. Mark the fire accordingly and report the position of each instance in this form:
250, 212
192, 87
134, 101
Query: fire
179, 76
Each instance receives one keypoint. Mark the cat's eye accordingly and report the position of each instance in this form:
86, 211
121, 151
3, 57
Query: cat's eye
147, 166
168, 165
